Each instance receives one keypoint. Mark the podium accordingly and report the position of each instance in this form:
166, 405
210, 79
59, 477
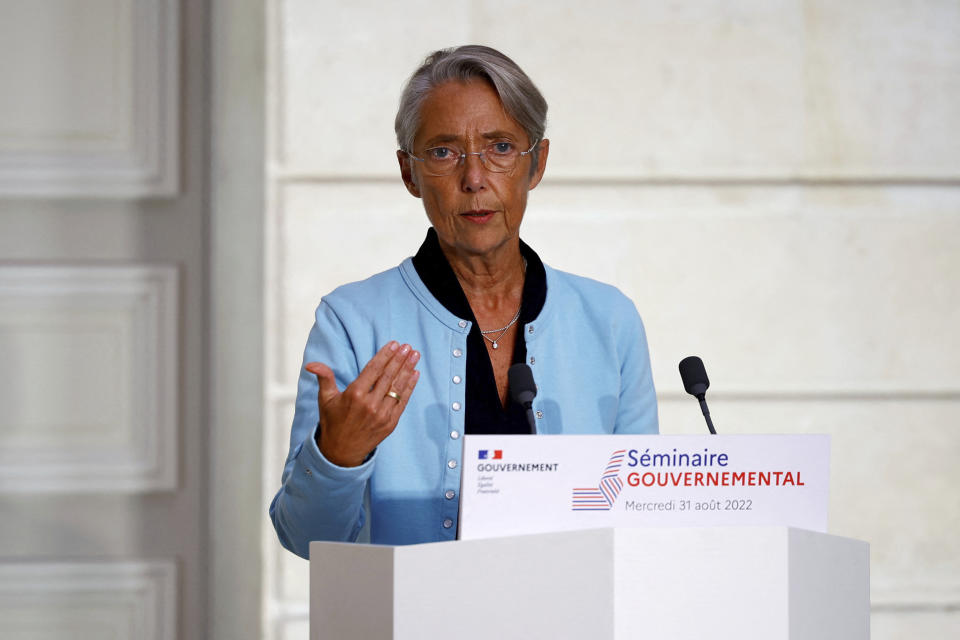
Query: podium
743, 583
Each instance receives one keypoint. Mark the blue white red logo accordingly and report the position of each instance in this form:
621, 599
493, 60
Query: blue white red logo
602, 497
486, 454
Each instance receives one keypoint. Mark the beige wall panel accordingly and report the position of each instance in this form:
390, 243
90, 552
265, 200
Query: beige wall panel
91, 103
893, 478
83, 398
88, 524
657, 89
294, 574
898, 625
778, 289
745, 89
341, 68
90, 600
882, 88
750, 89
75, 94
294, 630
88, 356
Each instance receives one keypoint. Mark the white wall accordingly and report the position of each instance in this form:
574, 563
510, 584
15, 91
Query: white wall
776, 184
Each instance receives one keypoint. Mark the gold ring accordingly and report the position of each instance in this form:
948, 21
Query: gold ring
394, 395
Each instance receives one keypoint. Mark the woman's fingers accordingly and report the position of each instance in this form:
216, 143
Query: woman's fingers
380, 375
405, 386
384, 382
398, 391
374, 369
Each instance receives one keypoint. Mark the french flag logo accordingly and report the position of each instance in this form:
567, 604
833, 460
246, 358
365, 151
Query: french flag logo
487, 454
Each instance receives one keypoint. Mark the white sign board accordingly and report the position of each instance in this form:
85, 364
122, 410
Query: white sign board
535, 484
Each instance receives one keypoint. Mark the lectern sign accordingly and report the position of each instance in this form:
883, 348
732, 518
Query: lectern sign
533, 484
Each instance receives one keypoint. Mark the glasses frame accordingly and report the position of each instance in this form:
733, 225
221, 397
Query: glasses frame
463, 158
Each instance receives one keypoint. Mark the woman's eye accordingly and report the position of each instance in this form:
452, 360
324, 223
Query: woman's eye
502, 148
441, 153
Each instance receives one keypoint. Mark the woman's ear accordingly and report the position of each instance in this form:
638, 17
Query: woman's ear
406, 173
541, 163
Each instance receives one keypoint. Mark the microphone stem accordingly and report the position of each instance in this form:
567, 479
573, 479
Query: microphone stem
530, 419
706, 414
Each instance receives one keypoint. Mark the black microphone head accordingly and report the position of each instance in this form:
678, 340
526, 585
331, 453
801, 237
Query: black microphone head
520, 382
694, 376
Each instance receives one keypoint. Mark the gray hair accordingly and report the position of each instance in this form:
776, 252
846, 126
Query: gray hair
520, 97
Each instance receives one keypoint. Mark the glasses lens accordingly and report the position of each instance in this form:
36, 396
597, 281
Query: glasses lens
500, 156
440, 161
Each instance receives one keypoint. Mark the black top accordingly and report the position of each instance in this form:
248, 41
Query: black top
483, 412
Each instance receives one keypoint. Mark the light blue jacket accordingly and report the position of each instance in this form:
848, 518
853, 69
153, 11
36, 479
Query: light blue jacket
588, 353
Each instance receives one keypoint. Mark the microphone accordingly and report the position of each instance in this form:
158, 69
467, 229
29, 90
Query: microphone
523, 390
696, 382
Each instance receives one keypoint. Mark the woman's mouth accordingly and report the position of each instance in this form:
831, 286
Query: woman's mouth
479, 216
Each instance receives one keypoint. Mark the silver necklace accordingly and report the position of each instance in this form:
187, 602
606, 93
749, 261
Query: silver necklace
502, 330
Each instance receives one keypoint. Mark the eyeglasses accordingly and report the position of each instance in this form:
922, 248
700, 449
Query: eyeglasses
498, 157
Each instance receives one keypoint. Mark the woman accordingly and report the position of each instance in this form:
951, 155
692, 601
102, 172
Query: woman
376, 438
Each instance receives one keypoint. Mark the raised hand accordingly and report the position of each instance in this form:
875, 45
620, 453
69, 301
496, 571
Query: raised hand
355, 421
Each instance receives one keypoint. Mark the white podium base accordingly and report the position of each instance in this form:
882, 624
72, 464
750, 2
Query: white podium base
764, 583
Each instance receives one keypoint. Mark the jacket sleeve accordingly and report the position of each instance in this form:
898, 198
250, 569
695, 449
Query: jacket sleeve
637, 410
319, 500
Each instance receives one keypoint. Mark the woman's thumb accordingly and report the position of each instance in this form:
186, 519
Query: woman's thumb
325, 380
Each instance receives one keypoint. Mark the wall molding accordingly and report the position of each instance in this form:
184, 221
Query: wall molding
915, 597
71, 600
146, 164
134, 310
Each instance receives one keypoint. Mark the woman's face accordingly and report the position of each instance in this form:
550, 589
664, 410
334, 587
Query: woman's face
476, 212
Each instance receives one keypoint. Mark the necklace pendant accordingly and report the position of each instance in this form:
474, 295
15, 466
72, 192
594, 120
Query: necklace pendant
495, 345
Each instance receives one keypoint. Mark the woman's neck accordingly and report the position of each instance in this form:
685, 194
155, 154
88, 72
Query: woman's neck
490, 282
